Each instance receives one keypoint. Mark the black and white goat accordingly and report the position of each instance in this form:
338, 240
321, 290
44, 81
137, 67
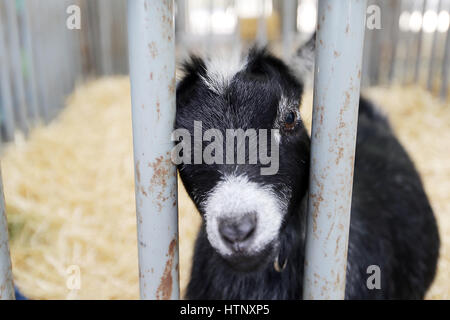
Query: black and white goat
251, 242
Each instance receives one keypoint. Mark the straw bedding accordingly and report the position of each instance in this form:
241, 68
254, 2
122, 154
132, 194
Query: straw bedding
69, 190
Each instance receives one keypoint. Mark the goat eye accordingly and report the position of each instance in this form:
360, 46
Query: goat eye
289, 120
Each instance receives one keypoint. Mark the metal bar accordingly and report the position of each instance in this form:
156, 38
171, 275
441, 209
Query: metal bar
445, 67
119, 49
376, 48
74, 50
6, 276
49, 56
181, 17
105, 19
367, 58
396, 7
31, 72
411, 6
40, 56
94, 36
338, 65
419, 46
7, 112
57, 78
181, 27
433, 53
289, 19
16, 65
152, 72
65, 54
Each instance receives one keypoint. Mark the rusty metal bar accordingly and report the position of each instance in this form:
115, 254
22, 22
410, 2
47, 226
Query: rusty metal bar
340, 38
152, 72
6, 277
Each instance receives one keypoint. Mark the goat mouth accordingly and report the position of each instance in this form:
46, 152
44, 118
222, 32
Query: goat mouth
250, 262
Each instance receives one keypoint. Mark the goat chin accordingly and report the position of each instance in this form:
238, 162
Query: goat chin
242, 262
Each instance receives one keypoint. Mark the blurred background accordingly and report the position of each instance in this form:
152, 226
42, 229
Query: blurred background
65, 120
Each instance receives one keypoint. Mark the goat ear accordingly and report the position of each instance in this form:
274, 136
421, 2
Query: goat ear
303, 60
191, 72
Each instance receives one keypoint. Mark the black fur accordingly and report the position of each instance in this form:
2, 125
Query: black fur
392, 223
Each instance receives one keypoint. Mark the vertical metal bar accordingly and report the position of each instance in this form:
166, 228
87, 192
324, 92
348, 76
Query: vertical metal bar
369, 55
31, 73
105, 19
7, 115
376, 45
433, 53
47, 21
289, 19
66, 53
119, 49
336, 98
73, 50
407, 42
57, 74
6, 277
397, 6
87, 54
445, 67
419, 46
367, 58
181, 27
94, 35
40, 56
180, 24
152, 72
410, 41
16, 65
62, 53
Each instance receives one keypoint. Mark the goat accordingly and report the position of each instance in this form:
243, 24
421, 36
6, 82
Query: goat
251, 241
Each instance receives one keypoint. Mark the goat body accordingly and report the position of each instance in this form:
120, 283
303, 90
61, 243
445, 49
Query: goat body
392, 224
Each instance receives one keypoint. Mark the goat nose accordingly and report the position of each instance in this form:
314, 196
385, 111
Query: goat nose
235, 232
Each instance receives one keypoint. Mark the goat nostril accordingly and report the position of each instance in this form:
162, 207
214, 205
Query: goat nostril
235, 231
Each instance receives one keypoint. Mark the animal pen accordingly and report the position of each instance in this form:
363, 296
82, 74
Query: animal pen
401, 44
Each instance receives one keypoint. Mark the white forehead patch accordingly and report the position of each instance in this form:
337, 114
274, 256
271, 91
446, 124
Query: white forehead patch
236, 196
221, 69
